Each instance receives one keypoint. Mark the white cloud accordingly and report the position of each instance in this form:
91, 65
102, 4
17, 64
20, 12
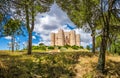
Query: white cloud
85, 38
8, 37
33, 37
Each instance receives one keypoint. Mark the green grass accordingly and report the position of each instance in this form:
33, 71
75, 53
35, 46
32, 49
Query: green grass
53, 65
20, 65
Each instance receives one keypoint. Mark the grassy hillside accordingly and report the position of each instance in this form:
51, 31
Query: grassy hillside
56, 65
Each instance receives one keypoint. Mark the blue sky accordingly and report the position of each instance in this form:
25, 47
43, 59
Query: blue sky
46, 23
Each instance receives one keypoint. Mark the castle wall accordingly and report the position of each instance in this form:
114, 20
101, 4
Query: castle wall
67, 38
78, 39
52, 39
56, 39
72, 38
61, 38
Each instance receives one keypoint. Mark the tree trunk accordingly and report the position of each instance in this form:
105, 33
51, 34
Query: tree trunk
12, 42
101, 60
30, 43
30, 32
93, 41
28, 29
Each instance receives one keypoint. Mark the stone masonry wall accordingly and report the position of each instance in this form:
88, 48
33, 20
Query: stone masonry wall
65, 38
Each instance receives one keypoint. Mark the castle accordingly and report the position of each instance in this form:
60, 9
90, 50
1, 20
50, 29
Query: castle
65, 38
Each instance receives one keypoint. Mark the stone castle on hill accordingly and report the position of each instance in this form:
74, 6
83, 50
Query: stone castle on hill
65, 38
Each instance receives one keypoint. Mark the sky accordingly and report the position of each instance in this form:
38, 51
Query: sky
46, 23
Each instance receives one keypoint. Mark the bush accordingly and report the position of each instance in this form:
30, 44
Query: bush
67, 46
75, 47
42, 47
51, 47
39, 47
41, 44
88, 47
59, 47
35, 47
81, 47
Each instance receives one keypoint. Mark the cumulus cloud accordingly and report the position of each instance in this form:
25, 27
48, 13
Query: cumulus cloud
33, 37
57, 19
8, 37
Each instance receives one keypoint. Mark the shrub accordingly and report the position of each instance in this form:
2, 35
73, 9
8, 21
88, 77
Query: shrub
41, 44
42, 47
35, 47
39, 47
88, 47
59, 47
51, 47
75, 47
67, 46
81, 47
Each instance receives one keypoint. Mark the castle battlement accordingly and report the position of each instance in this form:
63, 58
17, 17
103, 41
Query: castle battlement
65, 38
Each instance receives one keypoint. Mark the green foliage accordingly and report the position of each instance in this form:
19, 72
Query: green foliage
41, 44
12, 27
1, 17
115, 48
98, 42
88, 47
67, 46
79, 11
75, 47
42, 47
51, 47
59, 47
39, 47
81, 47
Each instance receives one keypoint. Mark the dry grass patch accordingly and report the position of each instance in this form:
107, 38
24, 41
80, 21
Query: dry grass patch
86, 67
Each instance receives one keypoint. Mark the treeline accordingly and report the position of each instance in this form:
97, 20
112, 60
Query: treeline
43, 47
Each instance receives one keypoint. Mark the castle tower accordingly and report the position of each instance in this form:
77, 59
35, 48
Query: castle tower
52, 39
56, 39
61, 40
77, 39
72, 38
67, 38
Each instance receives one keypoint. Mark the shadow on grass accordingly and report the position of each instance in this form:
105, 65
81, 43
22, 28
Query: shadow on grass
40, 65
113, 68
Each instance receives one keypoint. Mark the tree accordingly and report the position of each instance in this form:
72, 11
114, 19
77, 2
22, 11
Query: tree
30, 8
4, 10
109, 13
113, 38
1, 17
12, 28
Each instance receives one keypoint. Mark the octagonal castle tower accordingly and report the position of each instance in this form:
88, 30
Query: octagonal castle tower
65, 38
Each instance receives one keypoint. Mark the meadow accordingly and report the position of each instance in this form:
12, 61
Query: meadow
56, 65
